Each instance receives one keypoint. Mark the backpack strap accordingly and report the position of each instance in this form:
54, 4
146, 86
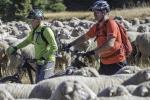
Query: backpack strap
42, 36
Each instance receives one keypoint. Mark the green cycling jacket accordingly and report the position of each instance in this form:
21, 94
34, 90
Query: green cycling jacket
42, 50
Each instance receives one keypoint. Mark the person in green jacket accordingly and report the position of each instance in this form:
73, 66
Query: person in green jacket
44, 43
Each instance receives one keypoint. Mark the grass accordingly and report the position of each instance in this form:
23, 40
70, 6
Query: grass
140, 12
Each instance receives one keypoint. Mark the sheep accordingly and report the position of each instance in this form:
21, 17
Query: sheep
13, 61
142, 28
74, 22
3, 57
123, 76
57, 23
135, 21
96, 84
73, 90
132, 37
142, 89
18, 90
87, 71
118, 90
32, 99
139, 77
124, 98
63, 60
5, 95
131, 88
147, 20
44, 88
128, 70
142, 43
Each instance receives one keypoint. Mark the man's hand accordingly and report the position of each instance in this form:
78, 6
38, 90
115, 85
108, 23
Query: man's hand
11, 50
92, 52
67, 47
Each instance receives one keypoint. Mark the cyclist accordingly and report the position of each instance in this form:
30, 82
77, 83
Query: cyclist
108, 38
44, 51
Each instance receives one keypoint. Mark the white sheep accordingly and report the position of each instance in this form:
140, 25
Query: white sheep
18, 90
142, 46
73, 90
124, 98
128, 70
45, 88
87, 72
118, 90
139, 77
5, 95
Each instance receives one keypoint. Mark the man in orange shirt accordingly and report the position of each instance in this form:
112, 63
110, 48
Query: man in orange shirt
107, 35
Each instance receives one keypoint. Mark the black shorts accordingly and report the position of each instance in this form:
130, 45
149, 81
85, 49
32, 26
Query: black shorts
110, 69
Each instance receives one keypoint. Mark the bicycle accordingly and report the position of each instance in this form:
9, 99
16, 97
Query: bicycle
21, 70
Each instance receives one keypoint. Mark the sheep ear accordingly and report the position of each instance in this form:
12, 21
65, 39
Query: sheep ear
144, 91
147, 75
127, 71
111, 92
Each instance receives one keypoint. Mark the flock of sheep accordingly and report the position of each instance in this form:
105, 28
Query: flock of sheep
129, 83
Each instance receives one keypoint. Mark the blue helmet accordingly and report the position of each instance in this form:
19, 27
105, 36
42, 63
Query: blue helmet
101, 5
35, 14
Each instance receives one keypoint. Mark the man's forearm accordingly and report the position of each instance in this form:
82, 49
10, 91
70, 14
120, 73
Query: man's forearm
105, 48
79, 40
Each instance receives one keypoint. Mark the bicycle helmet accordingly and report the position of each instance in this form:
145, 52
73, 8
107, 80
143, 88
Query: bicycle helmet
35, 14
100, 5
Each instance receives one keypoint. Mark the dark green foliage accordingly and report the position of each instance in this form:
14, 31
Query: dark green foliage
57, 7
78, 5
39, 3
14, 9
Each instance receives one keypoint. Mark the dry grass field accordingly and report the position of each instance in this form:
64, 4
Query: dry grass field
140, 12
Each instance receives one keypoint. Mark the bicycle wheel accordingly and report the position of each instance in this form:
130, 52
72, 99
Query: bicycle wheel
10, 79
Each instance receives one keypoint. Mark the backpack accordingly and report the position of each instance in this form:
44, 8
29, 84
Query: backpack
42, 36
124, 37
125, 40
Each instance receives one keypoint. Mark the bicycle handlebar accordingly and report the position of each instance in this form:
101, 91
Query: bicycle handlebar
76, 52
26, 59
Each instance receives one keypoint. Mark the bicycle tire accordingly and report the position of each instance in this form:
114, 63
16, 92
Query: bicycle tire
29, 71
10, 79
30, 75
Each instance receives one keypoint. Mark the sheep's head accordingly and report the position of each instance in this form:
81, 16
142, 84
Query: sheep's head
74, 90
118, 91
141, 91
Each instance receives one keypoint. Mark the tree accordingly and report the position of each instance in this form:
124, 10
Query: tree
14, 9
39, 3
56, 5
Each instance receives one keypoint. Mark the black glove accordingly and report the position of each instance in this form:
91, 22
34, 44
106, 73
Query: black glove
67, 47
11, 50
92, 52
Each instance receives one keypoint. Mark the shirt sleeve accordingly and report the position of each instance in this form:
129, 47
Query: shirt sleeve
113, 31
49, 35
27, 41
112, 28
92, 31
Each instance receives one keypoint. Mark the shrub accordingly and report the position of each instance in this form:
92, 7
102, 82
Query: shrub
57, 7
14, 9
